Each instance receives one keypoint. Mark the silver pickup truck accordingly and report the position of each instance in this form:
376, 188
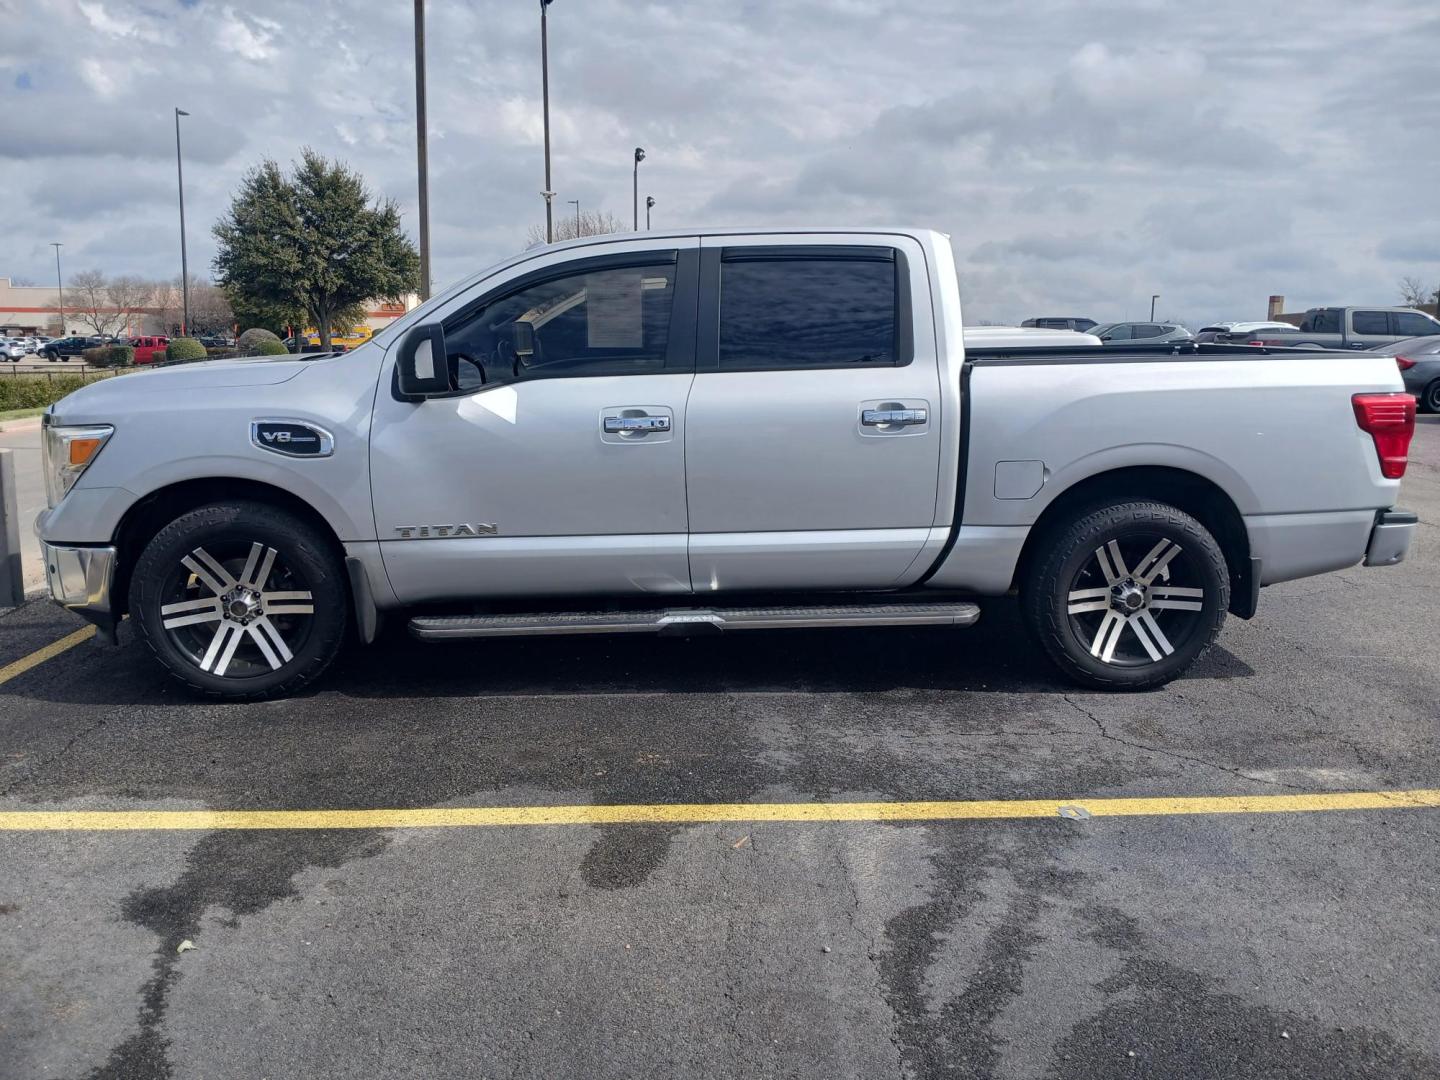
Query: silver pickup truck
689, 433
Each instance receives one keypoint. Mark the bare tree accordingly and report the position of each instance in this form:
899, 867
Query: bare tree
591, 223
129, 296
23, 282
88, 294
1413, 294
209, 309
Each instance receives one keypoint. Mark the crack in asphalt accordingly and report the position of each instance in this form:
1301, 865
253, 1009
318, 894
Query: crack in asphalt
872, 953
1230, 769
40, 767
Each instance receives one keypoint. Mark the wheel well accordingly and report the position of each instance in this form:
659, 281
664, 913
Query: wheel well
156, 510
1202, 499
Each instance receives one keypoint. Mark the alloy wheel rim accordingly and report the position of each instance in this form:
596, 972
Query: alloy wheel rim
1433, 397
1137, 600
237, 609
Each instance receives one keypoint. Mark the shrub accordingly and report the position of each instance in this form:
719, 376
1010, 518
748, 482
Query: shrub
272, 348
38, 391
185, 348
248, 344
111, 356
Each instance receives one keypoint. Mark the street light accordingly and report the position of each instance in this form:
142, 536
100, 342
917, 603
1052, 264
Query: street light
422, 150
184, 267
545, 97
1152, 306
576, 203
649, 202
60, 285
549, 197
635, 194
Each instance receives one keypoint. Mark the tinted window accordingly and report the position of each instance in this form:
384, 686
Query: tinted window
1323, 321
1118, 332
1145, 330
604, 322
1369, 322
1412, 324
807, 312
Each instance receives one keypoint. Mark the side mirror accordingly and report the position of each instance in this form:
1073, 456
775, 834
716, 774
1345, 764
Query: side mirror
522, 337
422, 368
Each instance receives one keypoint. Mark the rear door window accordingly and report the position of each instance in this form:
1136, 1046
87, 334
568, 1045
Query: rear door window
1118, 333
812, 309
1369, 322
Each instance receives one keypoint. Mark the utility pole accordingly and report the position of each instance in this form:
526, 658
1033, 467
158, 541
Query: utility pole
649, 204
60, 286
576, 204
184, 266
635, 193
545, 98
422, 150
1152, 306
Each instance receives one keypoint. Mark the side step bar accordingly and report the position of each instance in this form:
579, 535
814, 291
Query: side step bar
691, 620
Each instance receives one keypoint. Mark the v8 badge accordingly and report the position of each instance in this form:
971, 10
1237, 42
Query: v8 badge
292, 438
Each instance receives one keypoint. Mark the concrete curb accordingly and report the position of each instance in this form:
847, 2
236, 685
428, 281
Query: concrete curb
30, 423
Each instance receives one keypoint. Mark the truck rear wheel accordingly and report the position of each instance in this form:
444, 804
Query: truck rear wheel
240, 600
1127, 596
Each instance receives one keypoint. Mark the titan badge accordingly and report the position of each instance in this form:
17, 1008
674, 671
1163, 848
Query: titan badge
435, 532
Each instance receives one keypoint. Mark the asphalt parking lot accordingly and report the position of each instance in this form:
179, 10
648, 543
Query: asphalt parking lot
1193, 943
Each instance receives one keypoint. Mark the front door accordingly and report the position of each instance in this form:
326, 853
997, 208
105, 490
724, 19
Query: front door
557, 464
812, 434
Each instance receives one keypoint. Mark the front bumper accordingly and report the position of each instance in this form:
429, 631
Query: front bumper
1390, 538
82, 579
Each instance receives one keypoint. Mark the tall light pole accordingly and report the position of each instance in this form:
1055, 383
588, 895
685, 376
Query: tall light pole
184, 266
422, 150
545, 99
1152, 306
60, 286
576, 204
649, 202
635, 194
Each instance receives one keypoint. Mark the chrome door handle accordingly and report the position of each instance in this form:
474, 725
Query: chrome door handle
616, 425
894, 417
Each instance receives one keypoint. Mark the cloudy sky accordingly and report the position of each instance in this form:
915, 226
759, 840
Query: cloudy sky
1080, 154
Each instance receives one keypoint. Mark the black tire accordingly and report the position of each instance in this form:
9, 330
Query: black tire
304, 561
1079, 601
1430, 399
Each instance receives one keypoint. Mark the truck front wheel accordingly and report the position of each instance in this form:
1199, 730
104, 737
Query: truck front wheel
240, 600
1126, 596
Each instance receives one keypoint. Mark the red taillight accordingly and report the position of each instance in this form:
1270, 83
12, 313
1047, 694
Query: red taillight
1404, 363
1390, 421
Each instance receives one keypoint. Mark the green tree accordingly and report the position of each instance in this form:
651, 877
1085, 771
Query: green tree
315, 243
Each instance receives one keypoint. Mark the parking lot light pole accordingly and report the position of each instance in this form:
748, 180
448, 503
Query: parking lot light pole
59, 286
576, 203
422, 150
545, 107
649, 204
635, 193
184, 266
1152, 306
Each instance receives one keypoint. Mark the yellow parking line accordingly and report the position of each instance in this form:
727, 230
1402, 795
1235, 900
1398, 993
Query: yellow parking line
690, 813
39, 656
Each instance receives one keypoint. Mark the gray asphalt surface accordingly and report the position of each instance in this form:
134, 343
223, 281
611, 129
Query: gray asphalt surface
1286, 945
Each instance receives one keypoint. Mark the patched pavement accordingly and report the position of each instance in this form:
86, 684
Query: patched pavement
1264, 945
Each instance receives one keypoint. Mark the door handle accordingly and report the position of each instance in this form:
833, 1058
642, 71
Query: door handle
618, 425
894, 417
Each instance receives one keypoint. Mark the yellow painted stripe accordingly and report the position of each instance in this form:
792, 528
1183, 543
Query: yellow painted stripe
39, 656
690, 813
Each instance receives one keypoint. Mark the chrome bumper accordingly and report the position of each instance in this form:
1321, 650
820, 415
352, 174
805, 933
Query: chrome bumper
80, 578
1390, 538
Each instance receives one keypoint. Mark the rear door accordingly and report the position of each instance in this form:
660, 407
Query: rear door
1369, 328
812, 430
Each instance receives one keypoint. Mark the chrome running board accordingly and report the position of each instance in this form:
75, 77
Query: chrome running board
692, 620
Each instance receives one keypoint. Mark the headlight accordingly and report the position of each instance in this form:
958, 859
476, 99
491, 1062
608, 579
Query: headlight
66, 452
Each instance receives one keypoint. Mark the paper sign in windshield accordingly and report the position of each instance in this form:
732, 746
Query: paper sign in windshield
613, 311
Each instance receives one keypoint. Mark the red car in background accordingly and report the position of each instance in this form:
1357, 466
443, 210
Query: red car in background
149, 349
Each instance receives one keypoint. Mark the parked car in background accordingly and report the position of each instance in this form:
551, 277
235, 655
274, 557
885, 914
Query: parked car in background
1363, 327
217, 341
1231, 332
1061, 322
66, 347
1025, 337
11, 350
1141, 333
149, 349
1419, 362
